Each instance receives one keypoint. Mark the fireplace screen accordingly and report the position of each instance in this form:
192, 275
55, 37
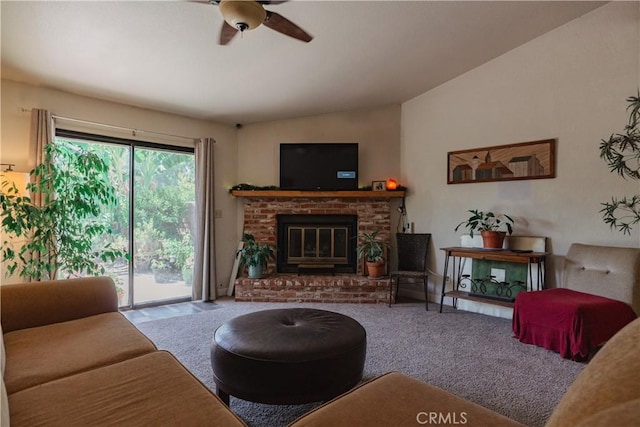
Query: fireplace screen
323, 241
317, 244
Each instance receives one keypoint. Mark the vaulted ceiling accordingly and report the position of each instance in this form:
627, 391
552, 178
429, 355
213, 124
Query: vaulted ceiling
165, 55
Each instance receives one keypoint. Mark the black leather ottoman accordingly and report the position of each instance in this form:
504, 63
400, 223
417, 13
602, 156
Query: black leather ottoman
288, 356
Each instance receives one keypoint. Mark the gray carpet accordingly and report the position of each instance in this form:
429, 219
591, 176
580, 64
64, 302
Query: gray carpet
470, 355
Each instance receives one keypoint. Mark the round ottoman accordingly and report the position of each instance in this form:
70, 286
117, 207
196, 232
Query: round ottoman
288, 356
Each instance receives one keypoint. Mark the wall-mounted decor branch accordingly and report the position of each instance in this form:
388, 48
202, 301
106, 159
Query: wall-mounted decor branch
622, 153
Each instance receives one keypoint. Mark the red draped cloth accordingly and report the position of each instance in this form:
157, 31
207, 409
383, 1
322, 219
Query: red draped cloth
569, 322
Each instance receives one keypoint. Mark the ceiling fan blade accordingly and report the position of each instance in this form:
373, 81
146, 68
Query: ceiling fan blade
277, 22
272, 1
226, 33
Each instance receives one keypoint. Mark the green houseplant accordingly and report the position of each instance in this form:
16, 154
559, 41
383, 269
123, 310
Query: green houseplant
255, 255
65, 231
488, 224
372, 249
622, 153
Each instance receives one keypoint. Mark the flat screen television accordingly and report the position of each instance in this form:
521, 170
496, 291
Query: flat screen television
319, 166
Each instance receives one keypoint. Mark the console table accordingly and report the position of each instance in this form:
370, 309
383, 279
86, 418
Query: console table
456, 255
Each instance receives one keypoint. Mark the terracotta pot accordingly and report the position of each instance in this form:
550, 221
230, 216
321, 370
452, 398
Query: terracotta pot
493, 239
375, 269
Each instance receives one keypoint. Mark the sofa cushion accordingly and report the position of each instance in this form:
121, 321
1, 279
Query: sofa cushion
4, 407
28, 305
393, 400
3, 354
607, 387
624, 414
149, 390
41, 354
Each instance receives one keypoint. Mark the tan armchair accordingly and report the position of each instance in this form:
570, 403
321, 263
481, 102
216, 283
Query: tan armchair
607, 271
600, 294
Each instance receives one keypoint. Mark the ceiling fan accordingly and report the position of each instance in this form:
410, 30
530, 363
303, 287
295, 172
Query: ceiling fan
243, 15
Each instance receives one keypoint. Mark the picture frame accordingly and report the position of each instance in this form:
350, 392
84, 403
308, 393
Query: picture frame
524, 160
378, 185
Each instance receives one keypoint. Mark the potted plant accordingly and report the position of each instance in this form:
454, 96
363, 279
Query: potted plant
371, 248
66, 233
187, 270
162, 270
488, 224
255, 255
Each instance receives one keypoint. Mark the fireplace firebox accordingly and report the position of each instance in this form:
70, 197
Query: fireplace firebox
316, 243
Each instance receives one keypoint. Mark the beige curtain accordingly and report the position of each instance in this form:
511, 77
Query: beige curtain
204, 274
42, 133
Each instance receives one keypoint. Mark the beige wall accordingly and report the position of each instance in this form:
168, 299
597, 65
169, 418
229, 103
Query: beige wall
14, 144
377, 132
569, 84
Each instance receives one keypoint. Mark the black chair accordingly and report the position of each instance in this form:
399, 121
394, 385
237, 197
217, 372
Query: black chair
412, 261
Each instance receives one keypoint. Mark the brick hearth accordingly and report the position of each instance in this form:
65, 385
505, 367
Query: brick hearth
260, 212
286, 288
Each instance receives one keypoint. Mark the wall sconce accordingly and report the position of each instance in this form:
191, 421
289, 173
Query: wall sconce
391, 184
19, 179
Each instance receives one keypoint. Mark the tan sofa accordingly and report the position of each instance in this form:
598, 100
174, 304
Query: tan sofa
605, 394
70, 358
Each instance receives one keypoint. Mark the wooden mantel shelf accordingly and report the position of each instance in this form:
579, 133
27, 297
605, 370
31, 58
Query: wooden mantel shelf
318, 194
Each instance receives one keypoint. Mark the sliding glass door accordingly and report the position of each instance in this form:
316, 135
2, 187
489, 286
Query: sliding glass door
153, 220
164, 224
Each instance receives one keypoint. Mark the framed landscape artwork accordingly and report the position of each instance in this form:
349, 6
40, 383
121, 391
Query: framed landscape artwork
525, 160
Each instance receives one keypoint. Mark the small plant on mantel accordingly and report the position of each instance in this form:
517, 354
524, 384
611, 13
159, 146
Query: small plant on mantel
250, 187
488, 224
372, 249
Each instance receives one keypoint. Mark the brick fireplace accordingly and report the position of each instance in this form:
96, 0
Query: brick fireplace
284, 281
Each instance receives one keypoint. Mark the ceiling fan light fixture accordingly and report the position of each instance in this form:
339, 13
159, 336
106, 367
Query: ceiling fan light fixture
242, 14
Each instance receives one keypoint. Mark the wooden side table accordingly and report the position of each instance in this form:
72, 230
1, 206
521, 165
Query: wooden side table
456, 254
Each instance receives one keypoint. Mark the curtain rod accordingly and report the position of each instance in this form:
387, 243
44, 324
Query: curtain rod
134, 132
